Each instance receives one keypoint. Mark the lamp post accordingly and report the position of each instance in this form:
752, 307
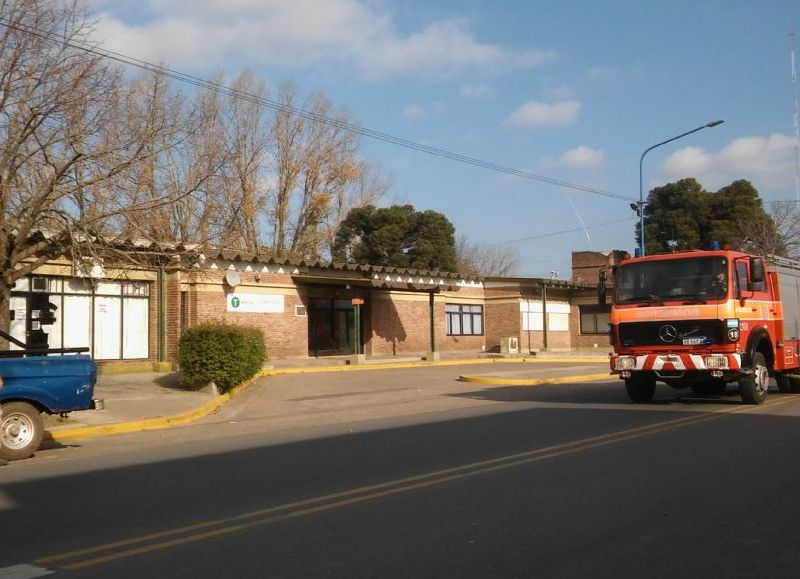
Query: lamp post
640, 206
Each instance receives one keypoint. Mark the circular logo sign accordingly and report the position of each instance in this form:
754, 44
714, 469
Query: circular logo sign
235, 302
667, 333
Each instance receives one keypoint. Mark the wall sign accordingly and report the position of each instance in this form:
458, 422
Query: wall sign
255, 303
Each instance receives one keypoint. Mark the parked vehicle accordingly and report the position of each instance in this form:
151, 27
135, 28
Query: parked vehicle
703, 319
35, 383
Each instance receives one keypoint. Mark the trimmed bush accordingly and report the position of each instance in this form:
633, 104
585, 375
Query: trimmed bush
223, 354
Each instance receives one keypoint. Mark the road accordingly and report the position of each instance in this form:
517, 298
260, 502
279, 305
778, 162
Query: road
410, 473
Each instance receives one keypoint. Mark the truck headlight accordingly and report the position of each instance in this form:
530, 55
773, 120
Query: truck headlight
716, 362
625, 363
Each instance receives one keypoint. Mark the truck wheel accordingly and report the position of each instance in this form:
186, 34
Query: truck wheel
21, 430
753, 387
784, 383
641, 387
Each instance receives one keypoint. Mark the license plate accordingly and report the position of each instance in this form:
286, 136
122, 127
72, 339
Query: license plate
693, 341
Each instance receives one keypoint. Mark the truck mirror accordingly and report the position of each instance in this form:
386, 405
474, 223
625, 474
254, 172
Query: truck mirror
601, 288
756, 270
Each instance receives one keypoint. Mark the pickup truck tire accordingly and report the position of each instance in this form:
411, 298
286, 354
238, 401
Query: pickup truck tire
641, 387
21, 430
753, 387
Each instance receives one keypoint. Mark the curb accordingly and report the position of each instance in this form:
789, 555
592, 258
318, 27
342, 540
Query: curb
160, 423
534, 381
78, 432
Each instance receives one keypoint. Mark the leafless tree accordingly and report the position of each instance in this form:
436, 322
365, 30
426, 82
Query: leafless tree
485, 260
73, 142
244, 183
319, 175
786, 217
775, 232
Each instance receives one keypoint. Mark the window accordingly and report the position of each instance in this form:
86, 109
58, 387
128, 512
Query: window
594, 319
110, 318
464, 320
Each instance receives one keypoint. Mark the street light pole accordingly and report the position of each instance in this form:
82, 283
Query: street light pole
640, 206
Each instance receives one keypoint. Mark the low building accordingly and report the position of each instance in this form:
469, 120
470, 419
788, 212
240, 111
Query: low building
136, 315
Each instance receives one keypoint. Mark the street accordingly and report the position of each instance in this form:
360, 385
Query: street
412, 473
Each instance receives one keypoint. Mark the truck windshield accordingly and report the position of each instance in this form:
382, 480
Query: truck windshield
687, 279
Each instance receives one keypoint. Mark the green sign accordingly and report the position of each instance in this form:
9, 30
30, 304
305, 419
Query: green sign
235, 302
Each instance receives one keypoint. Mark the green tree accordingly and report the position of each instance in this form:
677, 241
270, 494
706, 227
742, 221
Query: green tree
683, 215
398, 236
676, 214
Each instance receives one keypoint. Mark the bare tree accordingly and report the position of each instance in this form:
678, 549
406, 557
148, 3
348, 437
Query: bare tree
319, 176
245, 172
73, 142
786, 217
774, 233
486, 260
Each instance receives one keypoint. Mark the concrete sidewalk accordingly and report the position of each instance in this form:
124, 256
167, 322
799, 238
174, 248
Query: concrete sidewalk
149, 401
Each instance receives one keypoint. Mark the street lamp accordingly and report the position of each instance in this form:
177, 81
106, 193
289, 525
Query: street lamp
640, 206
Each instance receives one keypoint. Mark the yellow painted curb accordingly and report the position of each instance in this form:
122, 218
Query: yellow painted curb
150, 423
213, 405
534, 381
426, 364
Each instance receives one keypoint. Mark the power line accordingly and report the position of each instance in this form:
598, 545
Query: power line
554, 233
281, 107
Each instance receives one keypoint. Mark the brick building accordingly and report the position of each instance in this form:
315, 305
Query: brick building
136, 315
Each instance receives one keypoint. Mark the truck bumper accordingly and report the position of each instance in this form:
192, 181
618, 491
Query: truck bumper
675, 363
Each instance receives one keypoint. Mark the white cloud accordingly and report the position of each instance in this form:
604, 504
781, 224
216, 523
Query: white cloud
476, 91
414, 112
560, 93
582, 157
768, 162
535, 114
597, 73
418, 112
352, 33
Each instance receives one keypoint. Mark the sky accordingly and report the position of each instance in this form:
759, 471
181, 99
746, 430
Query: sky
571, 90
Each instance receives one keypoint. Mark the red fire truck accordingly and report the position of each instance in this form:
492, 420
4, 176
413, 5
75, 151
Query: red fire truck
703, 319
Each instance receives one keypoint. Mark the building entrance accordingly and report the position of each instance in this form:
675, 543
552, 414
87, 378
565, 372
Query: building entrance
330, 327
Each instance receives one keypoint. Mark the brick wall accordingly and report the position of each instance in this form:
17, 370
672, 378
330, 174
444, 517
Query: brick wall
285, 334
400, 324
502, 320
587, 264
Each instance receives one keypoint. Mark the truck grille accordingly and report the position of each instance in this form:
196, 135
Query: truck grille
656, 334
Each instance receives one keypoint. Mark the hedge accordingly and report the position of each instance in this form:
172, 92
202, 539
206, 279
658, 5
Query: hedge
220, 353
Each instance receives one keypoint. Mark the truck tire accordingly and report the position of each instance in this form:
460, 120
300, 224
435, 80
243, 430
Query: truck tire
789, 383
21, 430
753, 387
641, 387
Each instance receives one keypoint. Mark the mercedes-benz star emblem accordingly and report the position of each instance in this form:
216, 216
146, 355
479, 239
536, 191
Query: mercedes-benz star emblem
667, 333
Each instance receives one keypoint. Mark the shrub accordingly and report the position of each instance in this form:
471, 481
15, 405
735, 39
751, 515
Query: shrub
224, 354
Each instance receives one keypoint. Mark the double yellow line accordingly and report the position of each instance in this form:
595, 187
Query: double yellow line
93, 556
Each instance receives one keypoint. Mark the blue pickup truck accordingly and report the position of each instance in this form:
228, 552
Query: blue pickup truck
35, 383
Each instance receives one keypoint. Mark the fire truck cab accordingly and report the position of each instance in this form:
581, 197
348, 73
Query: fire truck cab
703, 319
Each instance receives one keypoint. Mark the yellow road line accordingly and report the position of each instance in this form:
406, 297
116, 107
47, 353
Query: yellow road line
203, 531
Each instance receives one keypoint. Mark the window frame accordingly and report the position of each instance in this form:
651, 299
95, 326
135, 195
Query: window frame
594, 311
464, 316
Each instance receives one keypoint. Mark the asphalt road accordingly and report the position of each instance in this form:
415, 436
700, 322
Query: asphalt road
413, 474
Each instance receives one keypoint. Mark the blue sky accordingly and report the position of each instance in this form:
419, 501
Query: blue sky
571, 90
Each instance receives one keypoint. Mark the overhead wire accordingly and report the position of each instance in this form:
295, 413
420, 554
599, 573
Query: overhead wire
555, 233
310, 115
